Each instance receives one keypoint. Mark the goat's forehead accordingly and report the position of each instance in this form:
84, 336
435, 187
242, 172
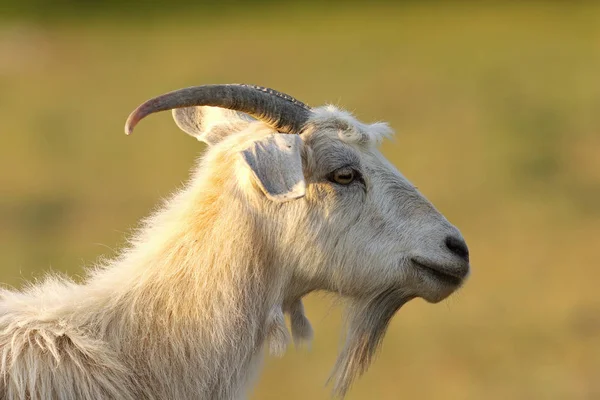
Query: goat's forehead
339, 124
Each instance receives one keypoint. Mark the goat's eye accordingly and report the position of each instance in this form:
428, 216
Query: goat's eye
343, 176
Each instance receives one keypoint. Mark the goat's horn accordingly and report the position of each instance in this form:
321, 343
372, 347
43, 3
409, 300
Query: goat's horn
281, 111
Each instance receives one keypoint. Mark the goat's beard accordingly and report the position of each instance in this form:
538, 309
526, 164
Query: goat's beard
367, 322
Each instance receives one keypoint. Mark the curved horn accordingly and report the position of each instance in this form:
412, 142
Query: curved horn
281, 111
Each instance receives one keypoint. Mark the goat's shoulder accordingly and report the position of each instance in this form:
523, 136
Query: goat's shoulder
45, 354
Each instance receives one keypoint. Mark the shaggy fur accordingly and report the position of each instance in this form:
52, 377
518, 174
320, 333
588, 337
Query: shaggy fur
186, 310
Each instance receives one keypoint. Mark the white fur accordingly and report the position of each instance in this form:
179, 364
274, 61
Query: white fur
184, 312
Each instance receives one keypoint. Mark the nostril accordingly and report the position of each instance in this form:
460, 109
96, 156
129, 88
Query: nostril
458, 247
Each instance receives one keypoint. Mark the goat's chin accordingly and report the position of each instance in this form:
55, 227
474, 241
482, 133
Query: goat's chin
367, 323
436, 296
438, 291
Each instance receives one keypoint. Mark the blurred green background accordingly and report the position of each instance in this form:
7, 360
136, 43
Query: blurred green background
497, 113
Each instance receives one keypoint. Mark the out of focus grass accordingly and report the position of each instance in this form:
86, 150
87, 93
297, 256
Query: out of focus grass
497, 112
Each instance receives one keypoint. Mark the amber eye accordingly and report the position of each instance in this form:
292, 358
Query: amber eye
343, 176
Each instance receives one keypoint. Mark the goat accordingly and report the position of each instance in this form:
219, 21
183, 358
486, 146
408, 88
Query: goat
287, 200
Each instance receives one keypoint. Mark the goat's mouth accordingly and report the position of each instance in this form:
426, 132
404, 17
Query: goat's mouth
445, 275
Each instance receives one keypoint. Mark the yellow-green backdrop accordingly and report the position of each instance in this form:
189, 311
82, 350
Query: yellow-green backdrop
496, 106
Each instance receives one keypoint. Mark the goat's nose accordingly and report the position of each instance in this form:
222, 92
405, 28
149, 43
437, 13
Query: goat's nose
458, 246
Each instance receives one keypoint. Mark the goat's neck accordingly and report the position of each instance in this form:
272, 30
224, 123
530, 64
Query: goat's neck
198, 299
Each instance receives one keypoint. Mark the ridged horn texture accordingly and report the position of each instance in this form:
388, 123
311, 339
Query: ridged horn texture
279, 110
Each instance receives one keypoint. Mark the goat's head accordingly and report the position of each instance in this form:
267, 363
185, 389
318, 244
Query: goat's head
345, 220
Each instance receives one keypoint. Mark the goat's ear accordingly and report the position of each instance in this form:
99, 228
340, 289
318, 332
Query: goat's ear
276, 164
210, 124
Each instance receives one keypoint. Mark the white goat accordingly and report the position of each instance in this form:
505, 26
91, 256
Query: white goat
287, 200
